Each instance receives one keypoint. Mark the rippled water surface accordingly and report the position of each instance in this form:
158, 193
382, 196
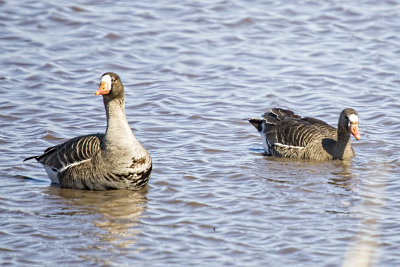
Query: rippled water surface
193, 72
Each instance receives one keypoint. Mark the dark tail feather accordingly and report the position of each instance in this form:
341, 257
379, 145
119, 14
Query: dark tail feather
33, 157
257, 123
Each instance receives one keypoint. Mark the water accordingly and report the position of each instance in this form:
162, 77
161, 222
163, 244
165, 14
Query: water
193, 71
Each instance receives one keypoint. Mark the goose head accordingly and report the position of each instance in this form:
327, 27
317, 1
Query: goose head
349, 119
110, 86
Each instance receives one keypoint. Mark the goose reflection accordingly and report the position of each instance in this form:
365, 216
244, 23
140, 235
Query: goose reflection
343, 176
338, 173
115, 213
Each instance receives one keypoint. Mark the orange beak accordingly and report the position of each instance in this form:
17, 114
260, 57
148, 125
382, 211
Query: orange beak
354, 130
103, 89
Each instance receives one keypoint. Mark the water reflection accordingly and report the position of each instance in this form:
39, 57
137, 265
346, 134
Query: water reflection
193, 71
365, 248
115, 213
343, 176
338, 172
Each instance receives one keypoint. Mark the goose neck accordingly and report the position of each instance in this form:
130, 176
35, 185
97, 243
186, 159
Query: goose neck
343, 141
117, 124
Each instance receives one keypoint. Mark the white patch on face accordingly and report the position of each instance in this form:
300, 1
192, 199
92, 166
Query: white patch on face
106, 79
353, 118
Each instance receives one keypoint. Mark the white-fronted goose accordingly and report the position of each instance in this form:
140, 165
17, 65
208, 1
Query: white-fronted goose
286, 134
114, 160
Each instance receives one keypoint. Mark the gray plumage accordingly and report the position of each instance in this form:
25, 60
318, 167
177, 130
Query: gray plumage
114, 160
288, 135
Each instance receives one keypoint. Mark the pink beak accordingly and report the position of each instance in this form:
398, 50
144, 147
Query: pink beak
103, 89
354, 131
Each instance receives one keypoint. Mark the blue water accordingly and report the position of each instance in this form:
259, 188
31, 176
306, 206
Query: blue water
193, 72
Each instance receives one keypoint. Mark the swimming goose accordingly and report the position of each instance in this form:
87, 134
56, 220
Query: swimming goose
288, 135
114, 160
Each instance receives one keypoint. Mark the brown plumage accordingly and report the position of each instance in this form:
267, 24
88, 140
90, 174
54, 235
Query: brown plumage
114, 160
288, 135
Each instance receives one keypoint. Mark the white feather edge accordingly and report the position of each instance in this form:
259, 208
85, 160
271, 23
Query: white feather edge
53, 174
73, 164
267, 145
289, 146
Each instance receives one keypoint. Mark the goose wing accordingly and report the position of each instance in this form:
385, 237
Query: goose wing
291, 133
72, 152
280, 114
324, 127
286, 134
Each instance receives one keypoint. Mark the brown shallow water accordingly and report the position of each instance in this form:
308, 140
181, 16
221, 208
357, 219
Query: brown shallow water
193, 72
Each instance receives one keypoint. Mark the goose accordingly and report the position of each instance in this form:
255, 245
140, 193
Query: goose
114, 160
286, 134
